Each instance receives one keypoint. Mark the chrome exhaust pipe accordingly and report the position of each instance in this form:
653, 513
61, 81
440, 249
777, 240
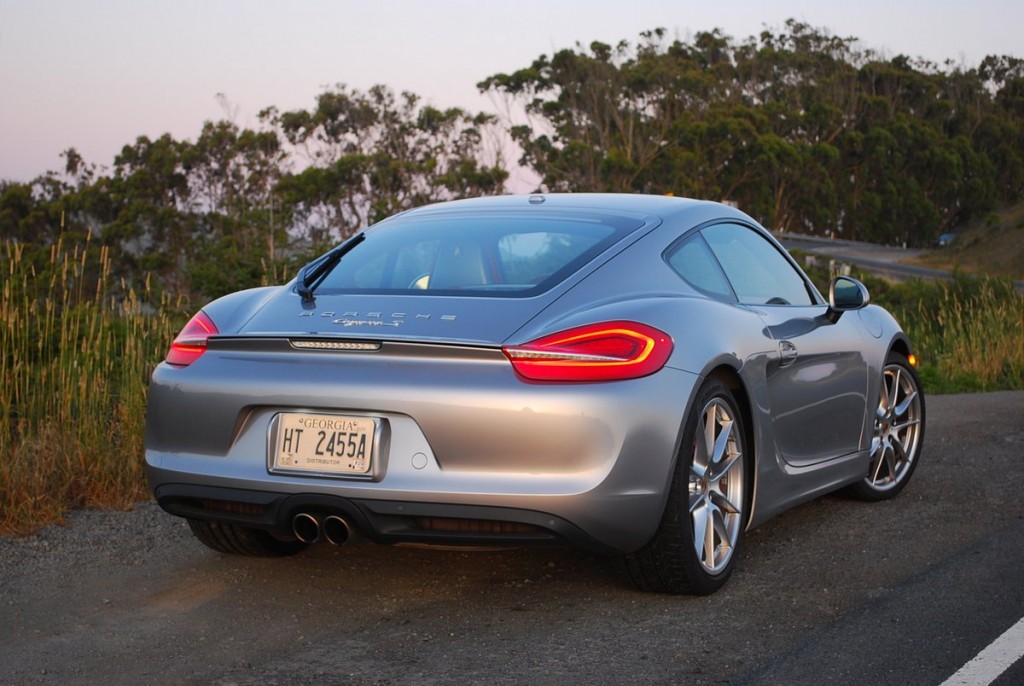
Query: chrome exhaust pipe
336, 530
306, 527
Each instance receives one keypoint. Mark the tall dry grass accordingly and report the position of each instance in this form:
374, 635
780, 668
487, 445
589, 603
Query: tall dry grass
969, 333
75, 357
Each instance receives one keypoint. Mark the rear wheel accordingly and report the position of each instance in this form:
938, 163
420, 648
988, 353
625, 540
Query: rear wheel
239, 540
898, 432
695, 547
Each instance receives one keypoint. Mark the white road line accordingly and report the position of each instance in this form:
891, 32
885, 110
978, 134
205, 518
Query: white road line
993, 661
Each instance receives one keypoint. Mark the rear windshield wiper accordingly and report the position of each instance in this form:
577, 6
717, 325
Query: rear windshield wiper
314, 273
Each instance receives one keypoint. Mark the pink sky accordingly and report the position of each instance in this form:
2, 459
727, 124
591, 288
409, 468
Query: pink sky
94, 74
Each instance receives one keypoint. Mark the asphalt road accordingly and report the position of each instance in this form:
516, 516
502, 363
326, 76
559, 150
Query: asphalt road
883, 260
833, 592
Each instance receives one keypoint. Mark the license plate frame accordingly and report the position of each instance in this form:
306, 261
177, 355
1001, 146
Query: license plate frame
323, 444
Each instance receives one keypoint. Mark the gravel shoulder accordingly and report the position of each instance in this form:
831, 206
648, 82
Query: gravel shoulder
130, 597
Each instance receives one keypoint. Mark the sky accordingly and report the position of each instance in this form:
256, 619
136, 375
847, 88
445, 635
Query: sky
96, 74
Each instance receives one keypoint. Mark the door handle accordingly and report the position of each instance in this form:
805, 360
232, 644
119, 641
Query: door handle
787, 353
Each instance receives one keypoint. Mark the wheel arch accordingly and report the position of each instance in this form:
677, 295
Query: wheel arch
901, 345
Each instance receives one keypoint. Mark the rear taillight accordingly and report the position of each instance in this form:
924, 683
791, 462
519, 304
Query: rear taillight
191, 342
608, 351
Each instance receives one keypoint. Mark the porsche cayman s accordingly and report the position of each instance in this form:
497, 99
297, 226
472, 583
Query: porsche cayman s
643, 376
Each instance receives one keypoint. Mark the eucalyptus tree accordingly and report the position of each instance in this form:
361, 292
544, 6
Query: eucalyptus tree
366, 155
240, 225
803, 129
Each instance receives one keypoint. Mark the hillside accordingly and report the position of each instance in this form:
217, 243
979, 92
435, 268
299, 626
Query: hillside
994, 245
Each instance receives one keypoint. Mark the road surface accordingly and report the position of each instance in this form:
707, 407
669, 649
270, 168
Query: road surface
833, 592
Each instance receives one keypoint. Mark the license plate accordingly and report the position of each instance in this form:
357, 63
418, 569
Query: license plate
324, 443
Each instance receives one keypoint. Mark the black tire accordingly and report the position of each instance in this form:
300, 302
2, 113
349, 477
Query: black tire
239, 540
704, 492
898, 432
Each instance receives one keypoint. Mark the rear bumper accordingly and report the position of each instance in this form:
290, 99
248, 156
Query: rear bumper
382, 521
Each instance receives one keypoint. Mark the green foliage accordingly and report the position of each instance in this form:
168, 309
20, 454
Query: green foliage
805, 130
374, 154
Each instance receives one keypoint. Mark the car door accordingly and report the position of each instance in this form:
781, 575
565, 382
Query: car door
817, 379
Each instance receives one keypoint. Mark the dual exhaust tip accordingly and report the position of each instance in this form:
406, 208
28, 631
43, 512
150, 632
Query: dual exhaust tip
309, 529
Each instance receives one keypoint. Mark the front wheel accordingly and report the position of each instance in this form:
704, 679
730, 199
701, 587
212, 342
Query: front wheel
695, 547
898, 432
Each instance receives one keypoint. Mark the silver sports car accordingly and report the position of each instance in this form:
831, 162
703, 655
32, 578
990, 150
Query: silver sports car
643, 376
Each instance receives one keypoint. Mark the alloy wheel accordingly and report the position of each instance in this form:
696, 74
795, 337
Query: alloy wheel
716, 494
897, 429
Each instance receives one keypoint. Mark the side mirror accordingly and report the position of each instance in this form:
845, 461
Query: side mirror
845, 294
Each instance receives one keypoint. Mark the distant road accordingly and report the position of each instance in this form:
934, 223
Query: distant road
883, 260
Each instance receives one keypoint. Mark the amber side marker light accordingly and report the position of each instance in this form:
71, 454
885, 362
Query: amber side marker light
912, 359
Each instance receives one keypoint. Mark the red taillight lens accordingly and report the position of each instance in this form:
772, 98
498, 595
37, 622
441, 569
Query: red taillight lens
608, 351
191, 342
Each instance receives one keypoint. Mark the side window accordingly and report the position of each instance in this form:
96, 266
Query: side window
758, 272
693, 261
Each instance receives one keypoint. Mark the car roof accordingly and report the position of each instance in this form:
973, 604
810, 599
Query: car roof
657, 205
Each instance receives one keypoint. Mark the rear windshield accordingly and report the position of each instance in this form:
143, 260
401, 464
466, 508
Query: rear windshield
503, 256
